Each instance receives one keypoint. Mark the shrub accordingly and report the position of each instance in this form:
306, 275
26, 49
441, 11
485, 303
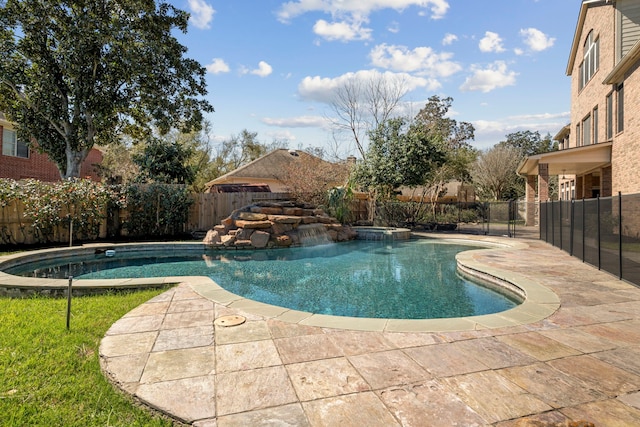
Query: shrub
156, 209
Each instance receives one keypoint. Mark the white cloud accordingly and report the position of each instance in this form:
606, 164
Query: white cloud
421, 60
491, 42
357, 8
490, 132
322, 89
217, 66
263, 69
282, 135
394, 27
492, 77
536, 39
297, 122
343, 31
449, 39
201, 14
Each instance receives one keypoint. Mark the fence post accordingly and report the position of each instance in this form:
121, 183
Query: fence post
513, 214
598, 228
572, 224
540, 215
560, 224
620, 234
488, 217
553, 225
583, 229
548, 222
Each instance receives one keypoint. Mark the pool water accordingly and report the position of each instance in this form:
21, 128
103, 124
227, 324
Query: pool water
415, 279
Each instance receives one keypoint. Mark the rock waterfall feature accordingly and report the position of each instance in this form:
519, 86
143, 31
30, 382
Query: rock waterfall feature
277, 224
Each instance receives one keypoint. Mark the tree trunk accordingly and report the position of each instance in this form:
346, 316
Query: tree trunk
74, 162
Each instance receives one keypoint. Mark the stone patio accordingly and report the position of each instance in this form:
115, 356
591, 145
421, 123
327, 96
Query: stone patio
576, 361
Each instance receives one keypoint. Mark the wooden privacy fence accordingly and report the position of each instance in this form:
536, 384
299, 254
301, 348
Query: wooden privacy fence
209, 209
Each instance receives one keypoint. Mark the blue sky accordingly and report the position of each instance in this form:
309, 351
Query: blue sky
272, 64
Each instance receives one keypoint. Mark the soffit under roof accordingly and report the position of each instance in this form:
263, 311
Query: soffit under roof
572, 161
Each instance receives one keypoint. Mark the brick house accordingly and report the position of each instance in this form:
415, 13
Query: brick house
18, 161
599, 150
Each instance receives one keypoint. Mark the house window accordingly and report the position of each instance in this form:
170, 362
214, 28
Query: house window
11, 146
609, 116
620, 107
591, 61
586, 130
578, 140
594, 114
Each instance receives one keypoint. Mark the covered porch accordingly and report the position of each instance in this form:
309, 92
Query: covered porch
583, 172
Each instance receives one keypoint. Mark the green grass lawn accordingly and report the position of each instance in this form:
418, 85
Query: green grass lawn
50, 376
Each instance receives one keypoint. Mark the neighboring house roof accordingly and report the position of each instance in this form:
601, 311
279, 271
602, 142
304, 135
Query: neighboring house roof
240, 188
266, 168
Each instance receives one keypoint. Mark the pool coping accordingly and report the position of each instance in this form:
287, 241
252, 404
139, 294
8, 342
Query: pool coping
539, 301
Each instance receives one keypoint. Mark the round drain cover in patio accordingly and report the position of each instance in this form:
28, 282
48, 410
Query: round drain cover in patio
229, 321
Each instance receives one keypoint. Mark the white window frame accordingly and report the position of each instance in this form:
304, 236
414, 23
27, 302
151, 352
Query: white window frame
591, 59
594, 121
14, 148
586, 131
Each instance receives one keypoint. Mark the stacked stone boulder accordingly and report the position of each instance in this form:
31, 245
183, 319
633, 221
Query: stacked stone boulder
274, 224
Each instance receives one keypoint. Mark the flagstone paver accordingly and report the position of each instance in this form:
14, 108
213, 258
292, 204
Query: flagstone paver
246, 355
325, 378
605, 413
554, 387
361, 409
389, 368
242, 391
444, 360
173, 339
538, 346
429, 404
598, 374
579, 362
195, 401
285, 415
495, 397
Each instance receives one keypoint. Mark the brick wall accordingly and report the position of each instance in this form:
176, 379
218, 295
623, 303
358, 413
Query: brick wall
600, 20
625, 155
39, 166
625, 151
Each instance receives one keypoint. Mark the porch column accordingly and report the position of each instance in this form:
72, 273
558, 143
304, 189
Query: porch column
543, 182
587, 189
606, 182
580, 187
530, 194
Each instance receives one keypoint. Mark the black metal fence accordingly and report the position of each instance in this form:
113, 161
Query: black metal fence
507, 218
603, 232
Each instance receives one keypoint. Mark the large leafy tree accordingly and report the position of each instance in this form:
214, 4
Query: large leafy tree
529, 143
399, 153
166, 161
455, 142
75, 73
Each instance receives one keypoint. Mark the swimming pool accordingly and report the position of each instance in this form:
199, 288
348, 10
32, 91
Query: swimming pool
414, 279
